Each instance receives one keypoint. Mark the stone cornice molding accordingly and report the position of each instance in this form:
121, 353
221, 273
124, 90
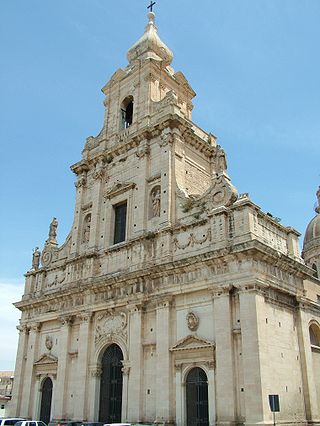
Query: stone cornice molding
252, 249
307, 305
133, 139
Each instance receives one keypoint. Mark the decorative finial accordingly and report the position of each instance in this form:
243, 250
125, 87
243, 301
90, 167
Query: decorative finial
152, 3
317, 209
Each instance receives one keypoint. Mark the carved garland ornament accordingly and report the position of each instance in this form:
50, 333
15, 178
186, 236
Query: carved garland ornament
192, 240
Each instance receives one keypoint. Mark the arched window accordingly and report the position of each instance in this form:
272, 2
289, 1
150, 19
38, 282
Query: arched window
127, 112
314, 333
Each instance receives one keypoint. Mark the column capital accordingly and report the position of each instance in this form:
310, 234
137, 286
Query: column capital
85, 317
221, 291
36, 327
66, 320
135, 308
23, 328
166, 302
95, 371
126, 367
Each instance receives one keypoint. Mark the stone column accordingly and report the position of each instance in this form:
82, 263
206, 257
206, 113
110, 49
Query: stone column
136, 364
19, 371
179, 397
94, 392
28, 384
225, 375
81, 388
64, 337
308, 378
163, 372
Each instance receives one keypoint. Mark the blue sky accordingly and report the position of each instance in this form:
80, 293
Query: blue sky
254, 65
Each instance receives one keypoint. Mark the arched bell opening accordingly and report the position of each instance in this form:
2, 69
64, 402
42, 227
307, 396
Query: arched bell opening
127, 112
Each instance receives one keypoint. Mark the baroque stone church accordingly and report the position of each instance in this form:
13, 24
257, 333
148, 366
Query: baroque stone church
174, 300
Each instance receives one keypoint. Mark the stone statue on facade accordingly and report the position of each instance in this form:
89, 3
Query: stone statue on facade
36, 259
221, 161
156, 198
86, 230
53, 231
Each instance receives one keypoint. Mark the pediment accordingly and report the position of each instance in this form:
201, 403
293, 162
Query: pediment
191, 343
118, 188
47, 359
117, 76
179, 76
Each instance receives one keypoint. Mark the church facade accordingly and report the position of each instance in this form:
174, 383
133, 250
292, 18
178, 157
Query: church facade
174, 300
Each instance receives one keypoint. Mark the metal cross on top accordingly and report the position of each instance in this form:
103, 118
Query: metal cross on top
152, 3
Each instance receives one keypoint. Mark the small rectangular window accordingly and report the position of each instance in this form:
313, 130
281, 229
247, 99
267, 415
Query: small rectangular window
120, 220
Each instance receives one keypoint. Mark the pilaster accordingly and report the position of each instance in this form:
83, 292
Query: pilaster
15, 406
136, 365
81, 394
224, 356
250, 301
28, 383
95, 372
163, 370
64, 338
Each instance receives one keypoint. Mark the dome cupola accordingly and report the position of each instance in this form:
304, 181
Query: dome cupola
311, 243
150, 46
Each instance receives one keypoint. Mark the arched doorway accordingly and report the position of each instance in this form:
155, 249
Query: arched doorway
46, 398
111, 385
197, 398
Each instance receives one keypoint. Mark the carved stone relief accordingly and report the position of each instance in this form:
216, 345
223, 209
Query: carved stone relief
192, 240
109, 324
49, 342
192, 321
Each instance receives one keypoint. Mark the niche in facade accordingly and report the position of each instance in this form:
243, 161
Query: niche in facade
86, 228
155, 202
127, 112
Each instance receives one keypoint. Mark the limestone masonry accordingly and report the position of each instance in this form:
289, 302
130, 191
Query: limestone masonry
174, 300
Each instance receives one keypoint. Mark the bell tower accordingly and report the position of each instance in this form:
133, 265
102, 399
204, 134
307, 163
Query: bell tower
149, 160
